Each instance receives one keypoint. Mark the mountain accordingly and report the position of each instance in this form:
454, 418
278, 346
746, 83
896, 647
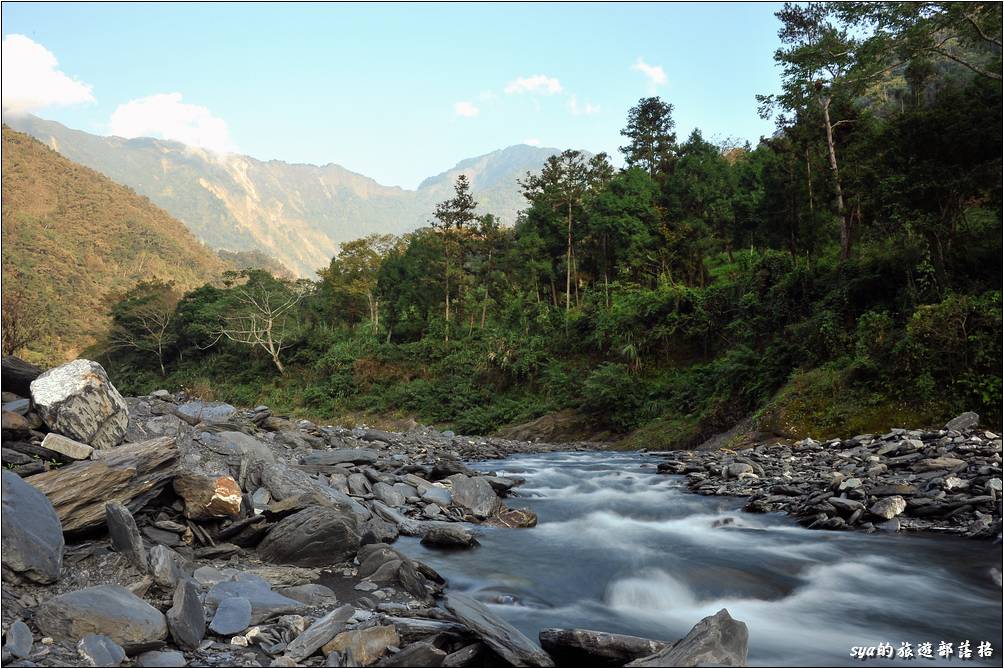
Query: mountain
295, 213
73, 240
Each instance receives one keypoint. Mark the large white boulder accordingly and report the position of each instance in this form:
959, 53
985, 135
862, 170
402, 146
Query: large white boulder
78, 400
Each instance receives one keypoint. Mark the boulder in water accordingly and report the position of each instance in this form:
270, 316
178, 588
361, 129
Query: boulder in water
497, 634
717, 640
588, 648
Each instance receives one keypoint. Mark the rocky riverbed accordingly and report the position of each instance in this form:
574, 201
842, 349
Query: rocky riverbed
946, 480
167, 531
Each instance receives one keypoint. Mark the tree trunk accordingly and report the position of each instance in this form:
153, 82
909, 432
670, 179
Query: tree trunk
845, 224
568, 264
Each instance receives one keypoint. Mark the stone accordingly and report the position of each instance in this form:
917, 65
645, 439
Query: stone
78, 400
208, 497
463, 657
167, 567
474, 494
98, 650
513, 518
496, 633
14, 424
737, 469
966, 421
31, 535
366, 646
388, 495
994, 484
588, 648
19, 406
232, 616
19, 639
102, 609
314, 537
17, 375
265, 603
934, 464
888, 507
436, 495
73, 450
206, 412
311, 594
358, 484
717, 640
418, 654
161, 658
124, 534
186, 619
132, 475
845, 505
320, 632
326, 462
449, 536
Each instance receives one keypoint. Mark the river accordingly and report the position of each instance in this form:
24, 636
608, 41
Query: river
619, 548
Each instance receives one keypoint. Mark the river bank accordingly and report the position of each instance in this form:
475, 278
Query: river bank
203, 534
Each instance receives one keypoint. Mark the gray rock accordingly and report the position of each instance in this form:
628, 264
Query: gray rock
588, 648
965, 421
328, 461
737, 469
463, 657
232, 616
388, 495
207, 412
186, 619
124, 534
474, 494
265, 603
161, 394
102, 609
359, 484
316, 536
167, 567
19, 639
73, 450
161, 658
78, 400
20, 407
845, 505
450, 535
436, 495
418, 654
98, 650
717, 640
311, 594
31, 537
319, 633
497, 634
889, 507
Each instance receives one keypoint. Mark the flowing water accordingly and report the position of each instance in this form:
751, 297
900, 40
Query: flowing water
620, 548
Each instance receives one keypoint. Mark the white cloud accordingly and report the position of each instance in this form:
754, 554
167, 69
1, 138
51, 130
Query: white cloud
532, 141
537, 83
654, 73
165, 116
487, 96
587, 109
32, 79
466, 109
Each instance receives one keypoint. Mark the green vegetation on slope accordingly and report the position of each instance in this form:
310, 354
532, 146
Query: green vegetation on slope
841, 276
73, 241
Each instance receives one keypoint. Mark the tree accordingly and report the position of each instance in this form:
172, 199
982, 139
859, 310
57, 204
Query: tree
262, 313
347, 289
652, 142
454, 220
142, 319
562, 185
23, 320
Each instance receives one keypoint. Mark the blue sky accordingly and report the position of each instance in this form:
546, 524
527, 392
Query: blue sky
397, 92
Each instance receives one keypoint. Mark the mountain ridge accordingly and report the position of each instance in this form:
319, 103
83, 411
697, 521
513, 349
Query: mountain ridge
297, 213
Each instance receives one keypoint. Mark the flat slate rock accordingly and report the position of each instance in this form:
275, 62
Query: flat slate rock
125, 535
475, 494
233, 616
320, 632
99, 650
32, 537
314, 537
265, 603
323, 460
497, 634
161, 658
418, 654
186, 619
102, 609
581, 647
19, 639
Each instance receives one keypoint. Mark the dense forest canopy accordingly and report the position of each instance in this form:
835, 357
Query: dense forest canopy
842, 275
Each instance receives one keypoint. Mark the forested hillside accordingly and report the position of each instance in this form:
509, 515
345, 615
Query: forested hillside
73, 242
841, 276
